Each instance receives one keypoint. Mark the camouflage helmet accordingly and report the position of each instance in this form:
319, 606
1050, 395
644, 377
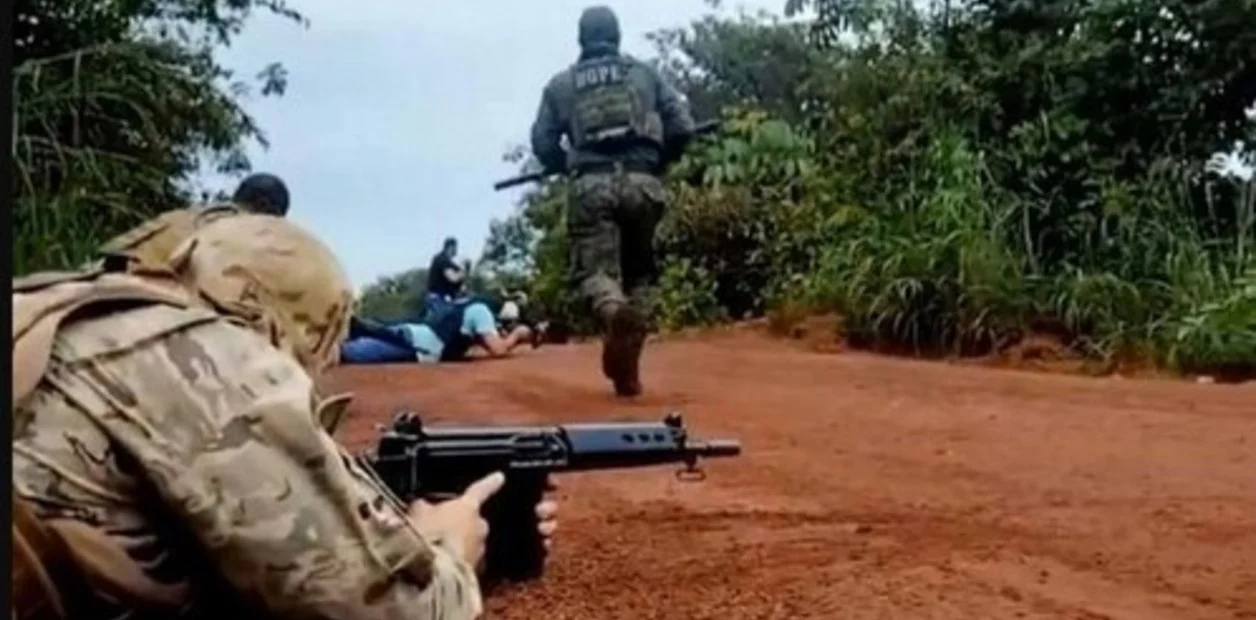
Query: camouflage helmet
273, 275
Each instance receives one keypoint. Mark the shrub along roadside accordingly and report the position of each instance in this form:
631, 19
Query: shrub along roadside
117, 107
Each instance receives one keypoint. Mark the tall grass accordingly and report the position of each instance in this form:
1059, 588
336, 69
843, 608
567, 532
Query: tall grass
945, 269
70, 194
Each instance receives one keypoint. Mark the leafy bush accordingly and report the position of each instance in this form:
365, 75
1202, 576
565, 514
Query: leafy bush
1219, 334
685, 296
397, 297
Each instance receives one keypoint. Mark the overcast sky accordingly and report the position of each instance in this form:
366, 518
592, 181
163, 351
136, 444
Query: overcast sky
392, 130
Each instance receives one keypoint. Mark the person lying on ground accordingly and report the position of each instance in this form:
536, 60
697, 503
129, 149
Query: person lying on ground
445, 336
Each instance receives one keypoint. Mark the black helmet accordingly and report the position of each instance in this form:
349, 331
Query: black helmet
599, 26
262, 193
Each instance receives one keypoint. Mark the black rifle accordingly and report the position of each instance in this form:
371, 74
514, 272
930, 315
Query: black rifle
418, 462
700, 129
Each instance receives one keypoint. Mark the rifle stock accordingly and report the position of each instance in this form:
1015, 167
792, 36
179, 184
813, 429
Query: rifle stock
416, 462
700, 129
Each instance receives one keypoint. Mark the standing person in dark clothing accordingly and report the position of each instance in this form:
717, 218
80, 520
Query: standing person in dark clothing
445, 279
625, 124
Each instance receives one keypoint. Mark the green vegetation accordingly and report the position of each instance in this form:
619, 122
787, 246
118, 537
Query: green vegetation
952, 178
948, 177
117, 106
399, 297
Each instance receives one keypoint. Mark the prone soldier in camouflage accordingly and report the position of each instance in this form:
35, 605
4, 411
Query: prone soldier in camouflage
171, 457
150, 244
624, 124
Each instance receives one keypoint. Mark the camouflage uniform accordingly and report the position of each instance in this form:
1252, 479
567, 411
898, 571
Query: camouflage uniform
624, 123
172, 445
150, 245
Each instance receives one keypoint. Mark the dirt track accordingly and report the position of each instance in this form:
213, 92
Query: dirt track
877, 488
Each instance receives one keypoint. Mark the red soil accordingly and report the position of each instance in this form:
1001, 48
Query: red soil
872, 487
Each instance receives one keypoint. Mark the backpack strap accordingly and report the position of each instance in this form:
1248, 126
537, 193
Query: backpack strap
42, 303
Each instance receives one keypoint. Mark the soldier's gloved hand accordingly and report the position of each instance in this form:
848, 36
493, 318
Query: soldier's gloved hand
458, 520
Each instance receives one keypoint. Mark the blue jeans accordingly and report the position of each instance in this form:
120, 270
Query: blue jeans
434, 303
367, 350
374, 343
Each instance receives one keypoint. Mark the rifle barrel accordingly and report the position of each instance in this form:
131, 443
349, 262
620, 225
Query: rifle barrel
715, 447
519, 180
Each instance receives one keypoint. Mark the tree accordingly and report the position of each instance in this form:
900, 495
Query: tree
398, 297
117, 105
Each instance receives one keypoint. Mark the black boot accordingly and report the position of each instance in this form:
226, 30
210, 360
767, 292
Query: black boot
621, 349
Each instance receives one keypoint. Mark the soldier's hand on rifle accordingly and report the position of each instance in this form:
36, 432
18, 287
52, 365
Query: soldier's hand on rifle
458, 520
547, 520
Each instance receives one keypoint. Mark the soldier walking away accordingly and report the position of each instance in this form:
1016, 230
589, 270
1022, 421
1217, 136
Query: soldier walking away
624, 124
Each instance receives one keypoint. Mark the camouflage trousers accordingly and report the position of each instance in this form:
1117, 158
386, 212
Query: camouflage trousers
611, 220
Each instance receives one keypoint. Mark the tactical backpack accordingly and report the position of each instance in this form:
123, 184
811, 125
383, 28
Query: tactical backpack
46, 576
151, 244
59, 564
608, 108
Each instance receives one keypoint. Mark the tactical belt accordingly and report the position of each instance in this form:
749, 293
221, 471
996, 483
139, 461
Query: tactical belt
611, 167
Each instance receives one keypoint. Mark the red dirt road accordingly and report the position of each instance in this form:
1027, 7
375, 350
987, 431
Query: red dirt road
876, 488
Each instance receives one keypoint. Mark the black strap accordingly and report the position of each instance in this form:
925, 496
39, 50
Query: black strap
611, 167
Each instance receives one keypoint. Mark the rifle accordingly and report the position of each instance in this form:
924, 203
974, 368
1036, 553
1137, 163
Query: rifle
700, 129
416, 462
